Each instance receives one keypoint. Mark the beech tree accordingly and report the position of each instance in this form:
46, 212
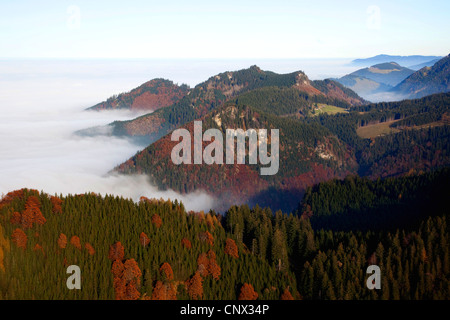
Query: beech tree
19, 238
195, 287
166, 271
231, 248
116, 252
62, 241
76, 242
247, 292
144, 239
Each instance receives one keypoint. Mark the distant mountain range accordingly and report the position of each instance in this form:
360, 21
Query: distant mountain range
414, 62
377, 78
426, 81
390, 81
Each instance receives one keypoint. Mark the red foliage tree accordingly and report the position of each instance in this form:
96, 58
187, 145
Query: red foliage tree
131, 291
19, 238
144, 239
247, 292
62, 241
213, 268
32, 213
164, 291
116, 252
166, 271
117, 269
27, 219
202, 264
127, 276
156, 220
186, 243
287, 295
76, 242
231, 248
132, 271
207, 237
195, 287
56, 204
16, 218
207, 265
90, 249
119, 288
159, 291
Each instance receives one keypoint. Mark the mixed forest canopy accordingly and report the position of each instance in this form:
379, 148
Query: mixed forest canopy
154, 249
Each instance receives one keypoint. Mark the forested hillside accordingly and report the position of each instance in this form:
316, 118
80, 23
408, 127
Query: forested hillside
211, 94
154, 249
313, 147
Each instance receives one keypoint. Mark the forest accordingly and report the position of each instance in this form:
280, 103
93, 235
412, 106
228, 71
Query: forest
154, 249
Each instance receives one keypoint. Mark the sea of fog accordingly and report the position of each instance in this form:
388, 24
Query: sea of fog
43, 102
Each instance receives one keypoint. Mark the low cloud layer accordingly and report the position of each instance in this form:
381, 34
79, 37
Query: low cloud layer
39, 150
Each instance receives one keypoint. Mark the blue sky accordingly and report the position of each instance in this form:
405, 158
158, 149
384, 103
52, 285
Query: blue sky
222, 29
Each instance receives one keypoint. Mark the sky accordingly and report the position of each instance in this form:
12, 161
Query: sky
222, 29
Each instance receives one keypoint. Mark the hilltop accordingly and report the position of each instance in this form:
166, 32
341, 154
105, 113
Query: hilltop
427, 80
218, 89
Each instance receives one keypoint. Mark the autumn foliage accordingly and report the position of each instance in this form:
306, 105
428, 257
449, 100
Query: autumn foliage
19, 238
76, 242
31, 215
231, 248
207, 237
56, 204
207, 265
164, 291
186, 243
144, 239
247, 292
116, 252
156, 220
126, 275
90, 249
166, 271
195, 286
287, 295
62, 241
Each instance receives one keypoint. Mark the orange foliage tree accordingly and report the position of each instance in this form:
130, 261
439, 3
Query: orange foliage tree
202, 264
207, 265
213, 268
195, 286
90, 249
287, 295
156, 220
75, 241
166, 271
126, 276
117, 269
116, 251
56, 204
19, 238
62, 241
164, 291
144, 239
207, 237
231, 248
247, 292
32, 213
16, 218
186, 243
